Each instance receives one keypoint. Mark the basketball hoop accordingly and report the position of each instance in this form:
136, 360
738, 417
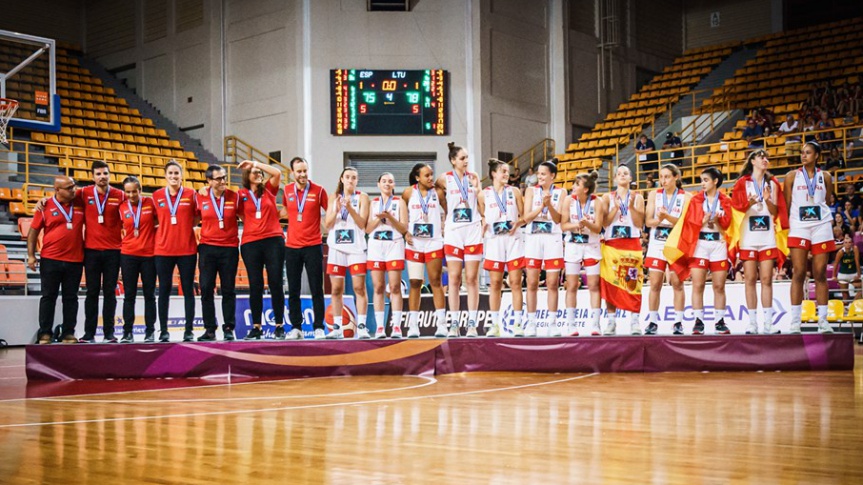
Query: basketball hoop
7, 111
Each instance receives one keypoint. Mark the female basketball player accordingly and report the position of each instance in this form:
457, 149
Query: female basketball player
583, 215
847, 267
462, 237
346, 221
136, 258
664, 207
386, 257
543, 244
424, 251
501, 206
809, 194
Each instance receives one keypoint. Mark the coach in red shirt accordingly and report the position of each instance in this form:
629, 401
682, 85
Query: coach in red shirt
138, 214
218, 252
303, 203
62, 219
102, 241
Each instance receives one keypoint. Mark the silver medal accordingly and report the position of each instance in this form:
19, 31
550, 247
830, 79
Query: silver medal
257, 214
101, 219
173, 219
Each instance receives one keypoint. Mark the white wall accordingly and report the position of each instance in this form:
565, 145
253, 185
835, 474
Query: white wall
738, 19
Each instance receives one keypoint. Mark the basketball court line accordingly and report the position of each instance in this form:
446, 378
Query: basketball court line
293, 408
429, 381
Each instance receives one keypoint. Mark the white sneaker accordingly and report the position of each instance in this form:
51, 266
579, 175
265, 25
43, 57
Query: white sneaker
492, 331
454, 331
824, 327
471, 332
380, 332
795, 327
295, 334
752, 328
572, 330
396, 332
554, 330
319, 334
769, 329
530, 329
635, 328
610, 329
518, 330
440, 332
335, 333
363, 333
413, 331
595, 330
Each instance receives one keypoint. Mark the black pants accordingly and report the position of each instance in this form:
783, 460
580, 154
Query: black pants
134, 266
101, 268
165, 270
266, 253
311, 258
54, 275
223, 261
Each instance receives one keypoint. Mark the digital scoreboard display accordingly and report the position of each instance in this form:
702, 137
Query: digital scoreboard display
387, 102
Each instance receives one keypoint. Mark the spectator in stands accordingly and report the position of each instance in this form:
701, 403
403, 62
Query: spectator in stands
530, 178
673, 141
840, 226
263, 244
809, 125
788, 128
102, 242
835, 161
303, 203
645, 152
850, 215
136, 258
753, 134
763, 117
62, 257
652, 183
176, 247
514, 176
218, 251
850, 194
825, 138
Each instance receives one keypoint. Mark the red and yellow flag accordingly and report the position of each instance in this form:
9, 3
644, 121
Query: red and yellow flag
740, 204
621, 273
683, 238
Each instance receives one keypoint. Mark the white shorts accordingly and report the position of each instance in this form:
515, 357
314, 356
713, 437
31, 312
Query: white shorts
386, 255
587, 256
463, 242
339, 262
423, 250
846, 277
711, 251
818, 239
655, 258
544, 250
504, 252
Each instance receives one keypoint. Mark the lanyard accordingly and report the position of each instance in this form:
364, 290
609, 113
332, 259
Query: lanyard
136, 216
669, 205
173, 206
501, 204
386, 207
623, 204
462, 186
578, 209
344, 212
759, 188
550, 191
301, 202
220, 207
100, 204
255, 200
711, 208
811, 184
66, 215
424, 201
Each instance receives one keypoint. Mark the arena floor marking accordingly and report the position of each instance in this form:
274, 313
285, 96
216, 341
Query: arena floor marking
293, 408
429, 381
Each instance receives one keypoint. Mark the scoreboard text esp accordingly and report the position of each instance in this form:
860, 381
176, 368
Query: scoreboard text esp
386, 102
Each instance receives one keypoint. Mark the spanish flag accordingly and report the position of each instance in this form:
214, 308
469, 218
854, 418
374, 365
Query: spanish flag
621, 273
683, 239
740, 204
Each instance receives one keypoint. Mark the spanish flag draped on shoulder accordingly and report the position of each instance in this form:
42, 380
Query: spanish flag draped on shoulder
740, 204
683, 239
621, 273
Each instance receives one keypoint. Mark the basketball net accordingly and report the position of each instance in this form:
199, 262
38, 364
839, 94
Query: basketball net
7, 111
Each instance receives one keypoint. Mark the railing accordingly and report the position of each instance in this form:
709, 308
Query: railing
237, 150
533, 156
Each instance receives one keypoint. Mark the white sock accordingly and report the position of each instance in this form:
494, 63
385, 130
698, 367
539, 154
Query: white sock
822, 313
440, 318
753, 315
518, 317
699, 314
531, 318
678, 316
796, 311
361, 320
653, 317
453, 317
594, 316
471, 318
397, 318
495, 318
552, 323
337, 322
768, 317
570, 316
413, 318
635, 318
379, 320
612, 318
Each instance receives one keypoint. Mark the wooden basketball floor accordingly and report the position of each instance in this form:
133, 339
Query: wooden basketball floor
687, 428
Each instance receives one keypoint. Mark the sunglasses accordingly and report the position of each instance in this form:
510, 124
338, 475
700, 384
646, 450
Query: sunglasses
220, 179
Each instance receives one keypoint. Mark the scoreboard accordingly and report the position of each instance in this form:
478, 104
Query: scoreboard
387, 102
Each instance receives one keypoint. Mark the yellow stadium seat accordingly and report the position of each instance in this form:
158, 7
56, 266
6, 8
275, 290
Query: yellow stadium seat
835, 311
808, 313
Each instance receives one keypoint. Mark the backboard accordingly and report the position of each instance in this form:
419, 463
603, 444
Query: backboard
28, 74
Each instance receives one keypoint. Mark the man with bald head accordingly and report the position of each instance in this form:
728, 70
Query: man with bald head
62, 257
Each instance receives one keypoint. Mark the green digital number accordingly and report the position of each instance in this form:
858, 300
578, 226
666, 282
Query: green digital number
369, 97
413, 97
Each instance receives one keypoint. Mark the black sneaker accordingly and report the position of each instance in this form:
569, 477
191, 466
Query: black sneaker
651, 329
721, 329
188, 336
207, 336
677, 328
698, 329
150, 336
164, 337
109, 339
255, 334
87, 339
279, 334
228, 333
127, 338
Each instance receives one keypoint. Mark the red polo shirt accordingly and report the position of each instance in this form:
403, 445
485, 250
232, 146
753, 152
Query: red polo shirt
307, 232
175, 239
267, 226
106, 235
59, 242
144, 244
211, 234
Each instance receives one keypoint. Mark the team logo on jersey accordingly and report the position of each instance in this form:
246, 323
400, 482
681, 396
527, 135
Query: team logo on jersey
345, 236
462, 215
55, 213
759, 223
128, 215
161, 203
90, 201
810, 213
206, 206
